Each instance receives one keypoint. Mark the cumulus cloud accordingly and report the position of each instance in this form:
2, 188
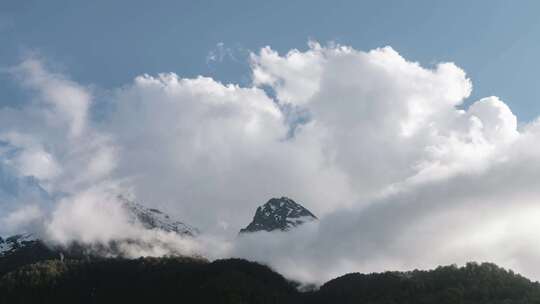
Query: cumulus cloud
195, 141
400, 174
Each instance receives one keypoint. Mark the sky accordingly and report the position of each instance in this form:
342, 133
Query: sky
409, 128
108, 44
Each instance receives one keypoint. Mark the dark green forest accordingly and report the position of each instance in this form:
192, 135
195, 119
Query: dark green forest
191, 280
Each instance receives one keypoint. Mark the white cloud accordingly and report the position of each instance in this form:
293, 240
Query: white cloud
220, 53
377, 114
294, 77
210, 151
399, 174
68, 101
50, 147
19, 220
51, 137
32, 159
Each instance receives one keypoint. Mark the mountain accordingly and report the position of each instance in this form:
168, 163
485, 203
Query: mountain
279, 214
32, 272
27, 248
16, 242
23, 249
152, 218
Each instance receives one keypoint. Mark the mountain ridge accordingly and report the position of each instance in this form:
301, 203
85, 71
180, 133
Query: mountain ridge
25, 248
152, 218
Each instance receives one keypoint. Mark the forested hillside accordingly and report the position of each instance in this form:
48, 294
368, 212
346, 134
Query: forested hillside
189, 280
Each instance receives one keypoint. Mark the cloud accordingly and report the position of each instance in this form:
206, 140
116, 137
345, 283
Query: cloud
75, 219
68, 102
57, 171
195, 141
294, 77
220, 53
50, 147
22, 218
400, 173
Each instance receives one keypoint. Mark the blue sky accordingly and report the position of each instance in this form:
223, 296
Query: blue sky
107, 43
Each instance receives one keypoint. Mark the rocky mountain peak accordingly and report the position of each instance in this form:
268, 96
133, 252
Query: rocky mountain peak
279, 214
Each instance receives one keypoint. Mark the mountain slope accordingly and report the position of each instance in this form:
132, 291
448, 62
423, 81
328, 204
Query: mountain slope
279, 214
23, 249
473, 283
146, 280
20, 250
152, 218
187, 280
16, 242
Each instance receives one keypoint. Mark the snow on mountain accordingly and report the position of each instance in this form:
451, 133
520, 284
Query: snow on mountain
147, 217
15, 242
152, 218
279, 214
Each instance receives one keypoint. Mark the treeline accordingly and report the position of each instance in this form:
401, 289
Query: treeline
472, 284
145, 280
189, 280
32, 252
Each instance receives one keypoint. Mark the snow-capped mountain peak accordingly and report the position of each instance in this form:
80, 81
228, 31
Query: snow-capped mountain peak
279, 214
149, 218
152, 218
